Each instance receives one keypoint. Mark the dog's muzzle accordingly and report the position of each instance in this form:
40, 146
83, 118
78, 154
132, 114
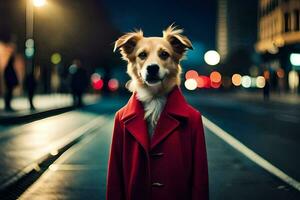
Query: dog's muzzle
152, 76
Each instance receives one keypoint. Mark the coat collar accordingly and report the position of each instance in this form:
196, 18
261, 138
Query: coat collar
133, 116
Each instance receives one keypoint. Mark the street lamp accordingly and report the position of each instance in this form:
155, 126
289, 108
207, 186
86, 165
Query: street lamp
39, 3
29, 44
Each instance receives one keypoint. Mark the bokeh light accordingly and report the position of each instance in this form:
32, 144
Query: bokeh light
191, 74
260, 82
113, 84
95, 77
98, 85
212, 57
72, 69
215, 77
295, 59
97, 82
280, 73
56, 58
236, 79
190, 84
200, 82
246, 81
267, 74
29, 43
29, 52
293, 80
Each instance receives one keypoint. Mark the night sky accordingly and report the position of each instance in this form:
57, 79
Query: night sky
197, 17
87, 29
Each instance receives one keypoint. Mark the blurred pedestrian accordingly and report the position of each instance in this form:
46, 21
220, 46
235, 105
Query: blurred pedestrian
30, 86
10, 81
79, 82
266, 90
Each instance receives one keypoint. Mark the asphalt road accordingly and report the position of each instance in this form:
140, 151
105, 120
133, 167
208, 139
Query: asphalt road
269, 129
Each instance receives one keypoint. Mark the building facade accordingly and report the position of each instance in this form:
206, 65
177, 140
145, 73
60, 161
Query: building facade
279, 39
236, 32
236, 26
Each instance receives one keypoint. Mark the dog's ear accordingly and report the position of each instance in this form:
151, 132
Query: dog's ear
179, 42
127, 43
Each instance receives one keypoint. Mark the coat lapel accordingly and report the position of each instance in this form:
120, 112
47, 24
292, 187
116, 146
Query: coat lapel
134, 122
175, 110
166, 124
138, 129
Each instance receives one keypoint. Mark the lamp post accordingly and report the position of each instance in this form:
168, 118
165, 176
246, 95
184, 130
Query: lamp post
29, 44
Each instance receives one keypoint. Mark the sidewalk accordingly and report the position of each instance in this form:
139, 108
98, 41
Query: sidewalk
286, 98
28, 150
80, 173
250, 96
46, 105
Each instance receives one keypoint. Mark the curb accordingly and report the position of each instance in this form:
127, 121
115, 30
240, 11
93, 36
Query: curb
18, 183
25, 118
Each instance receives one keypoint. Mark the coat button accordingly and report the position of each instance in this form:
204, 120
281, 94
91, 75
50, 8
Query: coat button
157, 154
157, 184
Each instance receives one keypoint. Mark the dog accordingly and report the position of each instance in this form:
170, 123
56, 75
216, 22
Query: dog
154, 67
158, 147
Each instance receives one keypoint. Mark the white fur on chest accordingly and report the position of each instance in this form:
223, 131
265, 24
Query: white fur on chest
153, 107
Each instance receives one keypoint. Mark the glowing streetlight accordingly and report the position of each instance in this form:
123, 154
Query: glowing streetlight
39, 3
29, 44
295, 59
212, 57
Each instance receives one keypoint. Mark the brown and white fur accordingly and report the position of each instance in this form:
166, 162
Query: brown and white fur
154, 67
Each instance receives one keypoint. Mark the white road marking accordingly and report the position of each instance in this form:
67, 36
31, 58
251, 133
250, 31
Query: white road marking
236, 144
77, 133
288, 118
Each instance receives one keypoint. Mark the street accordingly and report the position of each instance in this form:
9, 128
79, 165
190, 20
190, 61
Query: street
270, 129
66, 68
80, 171
26, 147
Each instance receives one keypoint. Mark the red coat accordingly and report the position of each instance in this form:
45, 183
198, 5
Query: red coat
173, 165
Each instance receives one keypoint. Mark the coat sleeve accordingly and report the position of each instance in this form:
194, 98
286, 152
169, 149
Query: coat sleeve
200, 170
115, 184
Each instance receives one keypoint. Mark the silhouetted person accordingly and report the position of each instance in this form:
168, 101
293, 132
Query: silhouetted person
79, 82
266, 90
30, 86
11, 81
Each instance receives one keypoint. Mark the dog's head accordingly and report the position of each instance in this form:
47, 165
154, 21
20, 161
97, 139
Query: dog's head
154, 60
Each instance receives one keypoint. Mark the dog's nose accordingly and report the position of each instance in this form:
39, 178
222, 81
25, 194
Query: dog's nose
152, 69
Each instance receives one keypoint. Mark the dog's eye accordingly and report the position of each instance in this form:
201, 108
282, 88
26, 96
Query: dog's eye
164, 55
142, 55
